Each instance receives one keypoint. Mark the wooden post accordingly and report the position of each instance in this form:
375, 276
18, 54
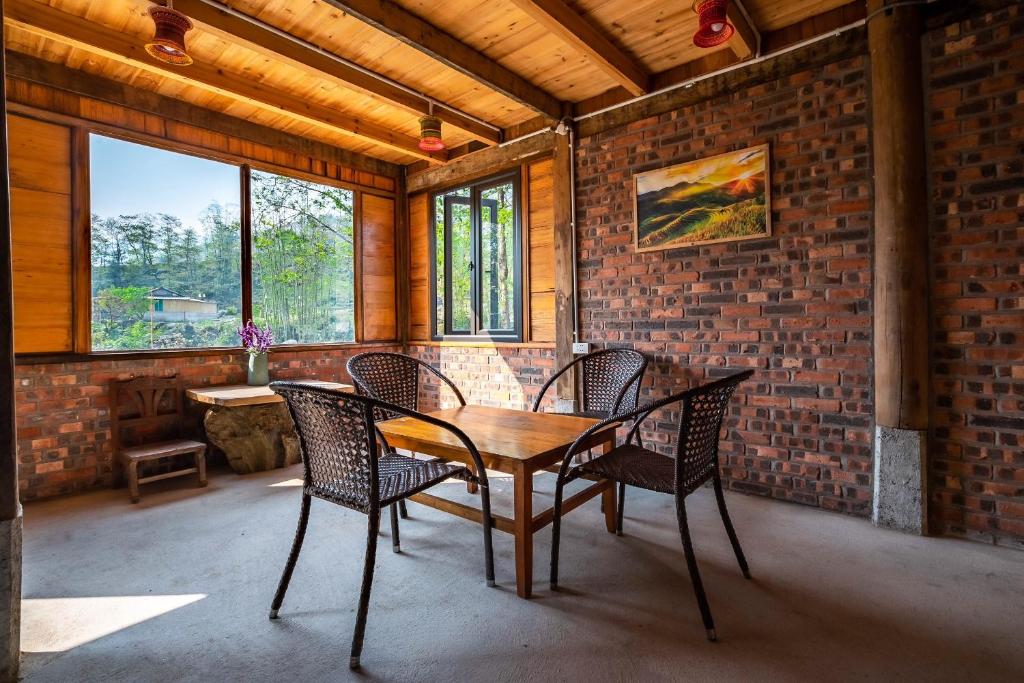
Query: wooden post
10, 507
901, 267
565, 303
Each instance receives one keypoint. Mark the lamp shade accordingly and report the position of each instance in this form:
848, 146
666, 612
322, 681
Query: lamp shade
430, 134
715, 28
168, 44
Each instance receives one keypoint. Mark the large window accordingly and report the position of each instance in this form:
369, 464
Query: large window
167, 266
165, 249
477, 261
302, 259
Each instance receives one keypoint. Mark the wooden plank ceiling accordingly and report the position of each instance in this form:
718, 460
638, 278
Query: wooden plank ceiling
492, 68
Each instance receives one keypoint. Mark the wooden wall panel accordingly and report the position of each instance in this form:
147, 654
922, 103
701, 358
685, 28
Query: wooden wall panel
542, 251
40, 160
377, 254
419, 267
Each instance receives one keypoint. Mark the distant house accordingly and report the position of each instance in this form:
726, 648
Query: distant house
166, 305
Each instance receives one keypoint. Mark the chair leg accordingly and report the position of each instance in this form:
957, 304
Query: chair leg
556, 528
133, 480
485, 506
622, 508
396, 544
401, 509
691, 564
293, 556
201, 466
364, 594
720, 496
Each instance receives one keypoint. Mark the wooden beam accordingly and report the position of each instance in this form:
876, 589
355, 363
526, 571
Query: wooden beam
44, 21
261, 38
405, 26
480, 164
565, 257
62, 78
743, 43
587, 39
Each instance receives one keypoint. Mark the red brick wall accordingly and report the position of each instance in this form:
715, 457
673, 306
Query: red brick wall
976, 141
63, 416
796, 306
508, 376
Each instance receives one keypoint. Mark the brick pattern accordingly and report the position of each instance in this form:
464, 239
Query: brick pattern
796, 306
63, 417
976, 143
501, 376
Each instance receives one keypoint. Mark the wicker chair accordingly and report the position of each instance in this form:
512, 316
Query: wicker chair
611, 380
696, 461
338, 442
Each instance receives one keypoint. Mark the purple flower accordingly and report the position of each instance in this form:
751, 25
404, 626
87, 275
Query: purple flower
255, 340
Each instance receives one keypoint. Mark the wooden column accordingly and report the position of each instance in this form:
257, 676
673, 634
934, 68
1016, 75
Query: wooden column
10, 507
565, 303
901, 266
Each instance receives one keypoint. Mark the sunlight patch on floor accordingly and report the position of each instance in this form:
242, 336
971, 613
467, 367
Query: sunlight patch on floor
60, 624
286, 482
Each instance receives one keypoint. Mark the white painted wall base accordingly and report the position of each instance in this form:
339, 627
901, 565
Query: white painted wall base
10, 598
899, 501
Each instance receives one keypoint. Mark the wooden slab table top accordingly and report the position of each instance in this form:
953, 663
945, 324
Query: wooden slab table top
515, 442
235, 395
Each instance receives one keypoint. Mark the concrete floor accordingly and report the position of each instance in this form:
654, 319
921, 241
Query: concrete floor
178, 588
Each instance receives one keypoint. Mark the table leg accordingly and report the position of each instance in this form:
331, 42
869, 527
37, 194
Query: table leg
608, 495
523, 486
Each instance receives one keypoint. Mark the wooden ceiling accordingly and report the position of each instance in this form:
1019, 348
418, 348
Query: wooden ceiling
494, 68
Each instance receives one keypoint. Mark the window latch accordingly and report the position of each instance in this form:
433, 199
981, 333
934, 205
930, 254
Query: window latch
472, 266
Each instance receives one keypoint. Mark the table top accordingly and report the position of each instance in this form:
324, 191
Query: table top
505, 438
244, 395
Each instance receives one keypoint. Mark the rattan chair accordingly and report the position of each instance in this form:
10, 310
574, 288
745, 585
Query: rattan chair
395, 378
610, 380
696, 461
342, 465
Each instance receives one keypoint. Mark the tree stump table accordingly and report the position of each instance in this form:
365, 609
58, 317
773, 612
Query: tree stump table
252, 425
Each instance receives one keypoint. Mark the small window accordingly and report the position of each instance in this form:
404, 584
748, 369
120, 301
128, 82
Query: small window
302, 259
166, 257
477, 261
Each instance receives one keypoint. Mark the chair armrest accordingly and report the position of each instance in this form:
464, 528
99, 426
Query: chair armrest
551, 380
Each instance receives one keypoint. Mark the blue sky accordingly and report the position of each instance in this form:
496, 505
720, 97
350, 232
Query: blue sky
128, 178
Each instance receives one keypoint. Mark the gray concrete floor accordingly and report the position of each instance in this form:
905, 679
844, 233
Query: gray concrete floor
178, 588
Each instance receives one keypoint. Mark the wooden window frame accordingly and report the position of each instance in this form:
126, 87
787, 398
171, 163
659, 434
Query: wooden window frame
477, 333
81, 237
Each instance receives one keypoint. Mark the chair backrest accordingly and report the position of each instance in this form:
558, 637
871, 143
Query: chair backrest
337, 441
606, 380
394, 378
700, 424
145, 410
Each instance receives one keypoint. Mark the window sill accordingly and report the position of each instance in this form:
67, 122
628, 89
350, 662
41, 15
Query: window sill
45, 358
483, 344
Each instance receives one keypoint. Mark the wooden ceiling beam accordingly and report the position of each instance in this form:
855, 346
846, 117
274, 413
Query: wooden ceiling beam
744, 42
263, 39
78, 32
585, 38
405, 26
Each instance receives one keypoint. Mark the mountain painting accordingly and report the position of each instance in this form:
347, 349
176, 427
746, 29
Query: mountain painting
718, 199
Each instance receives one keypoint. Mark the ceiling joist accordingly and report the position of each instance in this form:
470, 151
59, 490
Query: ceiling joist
399, 23
278, 45
69, 29
584, 37
744, 42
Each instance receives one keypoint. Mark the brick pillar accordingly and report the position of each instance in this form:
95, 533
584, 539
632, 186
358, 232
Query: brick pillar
901, 269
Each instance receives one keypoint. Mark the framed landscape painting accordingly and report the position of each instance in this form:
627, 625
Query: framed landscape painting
718, 199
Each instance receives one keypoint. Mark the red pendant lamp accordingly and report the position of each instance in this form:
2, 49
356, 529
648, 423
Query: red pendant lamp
168, 44
715, 28
430, 133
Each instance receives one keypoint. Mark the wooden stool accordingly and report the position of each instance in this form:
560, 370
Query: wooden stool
149, 409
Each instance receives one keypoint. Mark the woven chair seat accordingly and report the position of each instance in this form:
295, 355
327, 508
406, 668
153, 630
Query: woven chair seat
400, 477
635, 466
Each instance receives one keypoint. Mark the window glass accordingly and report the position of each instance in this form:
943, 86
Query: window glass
165, 248
303, 259
497, 245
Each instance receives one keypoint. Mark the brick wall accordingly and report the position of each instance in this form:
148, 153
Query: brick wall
976, 143
63, 415
507, 376
795, 307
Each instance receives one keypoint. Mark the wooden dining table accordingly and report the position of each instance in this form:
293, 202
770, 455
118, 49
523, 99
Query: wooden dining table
514, 442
